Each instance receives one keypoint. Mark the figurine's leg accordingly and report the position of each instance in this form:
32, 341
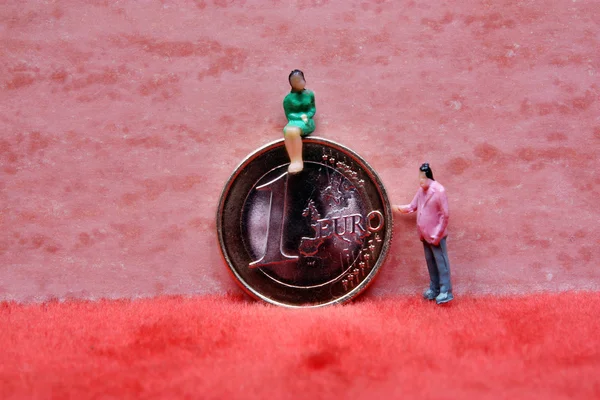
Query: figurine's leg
293, 145
443, 266
434, 277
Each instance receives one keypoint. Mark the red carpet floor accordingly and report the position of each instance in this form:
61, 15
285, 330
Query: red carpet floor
544, 346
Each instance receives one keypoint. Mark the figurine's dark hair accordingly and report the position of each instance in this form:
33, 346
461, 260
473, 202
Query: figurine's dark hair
425, 168
295, 72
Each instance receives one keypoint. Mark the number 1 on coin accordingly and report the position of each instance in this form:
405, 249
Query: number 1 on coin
274, 253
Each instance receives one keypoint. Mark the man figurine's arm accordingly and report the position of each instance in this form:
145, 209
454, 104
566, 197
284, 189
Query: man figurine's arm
444, 215
408, 208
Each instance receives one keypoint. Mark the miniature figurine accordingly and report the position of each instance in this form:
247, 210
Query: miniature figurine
299, 107
431, 205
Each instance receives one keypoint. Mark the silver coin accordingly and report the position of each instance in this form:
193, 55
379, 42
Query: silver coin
309, 239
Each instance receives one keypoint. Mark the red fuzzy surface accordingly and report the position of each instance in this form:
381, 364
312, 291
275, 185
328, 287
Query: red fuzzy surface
544, 346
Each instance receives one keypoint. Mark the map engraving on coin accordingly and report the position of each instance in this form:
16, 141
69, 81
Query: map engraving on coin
309, 239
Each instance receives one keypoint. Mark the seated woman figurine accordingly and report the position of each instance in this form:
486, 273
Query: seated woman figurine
299, 107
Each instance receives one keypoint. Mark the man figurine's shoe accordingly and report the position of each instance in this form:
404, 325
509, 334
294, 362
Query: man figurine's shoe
429, 294
443, 298
295, 167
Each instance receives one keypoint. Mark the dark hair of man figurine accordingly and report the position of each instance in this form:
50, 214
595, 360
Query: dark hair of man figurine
428, 173
299, 108
432, 221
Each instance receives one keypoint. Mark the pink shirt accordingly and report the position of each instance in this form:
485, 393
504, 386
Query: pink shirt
432, 211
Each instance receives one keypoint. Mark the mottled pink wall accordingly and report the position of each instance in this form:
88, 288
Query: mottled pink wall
121, 121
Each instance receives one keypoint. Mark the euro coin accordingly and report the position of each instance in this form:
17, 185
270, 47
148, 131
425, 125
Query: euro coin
308, 239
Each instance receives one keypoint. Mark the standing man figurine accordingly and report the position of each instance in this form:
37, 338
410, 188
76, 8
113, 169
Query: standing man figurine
431, 205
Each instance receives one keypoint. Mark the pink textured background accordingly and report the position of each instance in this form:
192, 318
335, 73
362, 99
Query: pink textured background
120, 123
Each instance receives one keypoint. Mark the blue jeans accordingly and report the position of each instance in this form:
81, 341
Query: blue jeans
438, 266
